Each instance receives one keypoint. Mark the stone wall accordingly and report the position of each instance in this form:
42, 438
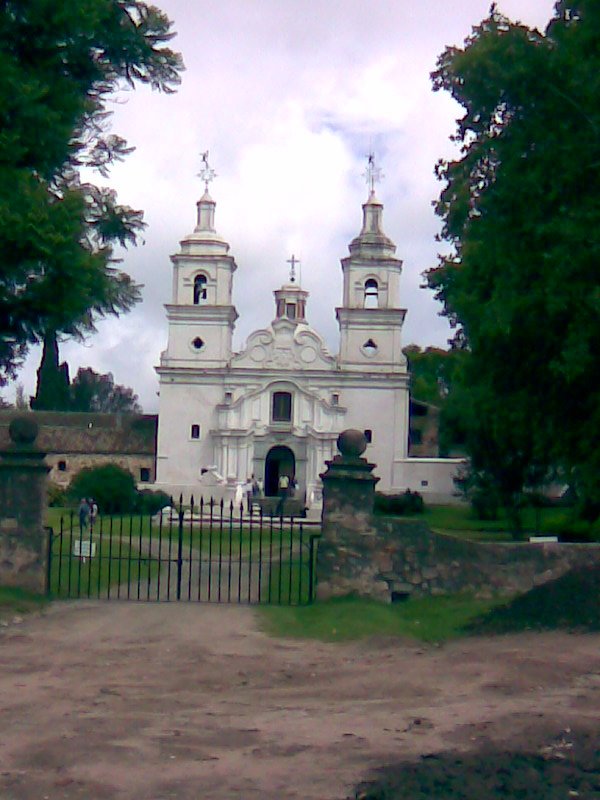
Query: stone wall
391, 559
413, 560
23, 540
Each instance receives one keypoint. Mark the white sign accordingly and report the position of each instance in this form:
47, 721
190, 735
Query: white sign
83, 549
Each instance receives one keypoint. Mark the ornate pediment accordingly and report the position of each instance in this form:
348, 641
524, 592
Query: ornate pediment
285, 345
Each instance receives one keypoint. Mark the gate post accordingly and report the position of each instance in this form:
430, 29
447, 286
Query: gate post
344, 557
23, 486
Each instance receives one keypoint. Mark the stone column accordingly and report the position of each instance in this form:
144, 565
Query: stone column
345, 560
23, 479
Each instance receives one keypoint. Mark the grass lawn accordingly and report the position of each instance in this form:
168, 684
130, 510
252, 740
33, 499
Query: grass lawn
459, 520
18, 601
114, 564
289, 584
211, 539
430, 619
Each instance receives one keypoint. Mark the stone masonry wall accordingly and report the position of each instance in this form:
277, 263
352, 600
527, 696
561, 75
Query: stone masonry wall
387, 558
413, 560
23, 540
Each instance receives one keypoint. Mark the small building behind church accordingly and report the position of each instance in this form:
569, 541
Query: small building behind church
277, 406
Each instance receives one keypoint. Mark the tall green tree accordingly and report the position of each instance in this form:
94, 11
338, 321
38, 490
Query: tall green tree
91, 391
59, 64
52, 391
431, 372
521, 209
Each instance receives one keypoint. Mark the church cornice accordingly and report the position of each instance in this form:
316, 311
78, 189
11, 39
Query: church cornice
200, 313
368, 317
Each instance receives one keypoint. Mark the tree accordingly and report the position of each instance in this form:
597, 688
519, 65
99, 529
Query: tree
431, 372
520, 209
52, 392
112, 487
93, 392
59, 63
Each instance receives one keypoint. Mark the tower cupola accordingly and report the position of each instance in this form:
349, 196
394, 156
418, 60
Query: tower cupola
290, 299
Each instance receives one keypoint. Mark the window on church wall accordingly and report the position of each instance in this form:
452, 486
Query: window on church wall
195, 432
282, 407
199, 289
371, 293
290, 310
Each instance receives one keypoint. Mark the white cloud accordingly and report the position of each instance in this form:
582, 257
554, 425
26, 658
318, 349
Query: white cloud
287, 95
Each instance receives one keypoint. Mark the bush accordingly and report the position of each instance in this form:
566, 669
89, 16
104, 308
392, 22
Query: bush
112, 487
479, 491
149, 502
399, 504
572, 529
57, 496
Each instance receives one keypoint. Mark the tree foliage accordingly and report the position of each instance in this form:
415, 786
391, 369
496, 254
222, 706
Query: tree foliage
431, 372
91, 391
52, 392
112, 487
521, 209
59, 63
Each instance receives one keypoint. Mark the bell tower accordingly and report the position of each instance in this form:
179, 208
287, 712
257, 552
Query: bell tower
201, 315
370, 318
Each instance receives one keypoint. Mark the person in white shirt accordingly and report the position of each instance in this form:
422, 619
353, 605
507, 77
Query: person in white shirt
284, 487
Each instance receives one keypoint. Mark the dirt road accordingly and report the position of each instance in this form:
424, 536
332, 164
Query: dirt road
124, 701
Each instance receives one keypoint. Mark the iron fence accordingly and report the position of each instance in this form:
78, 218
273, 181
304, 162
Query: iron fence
204, 552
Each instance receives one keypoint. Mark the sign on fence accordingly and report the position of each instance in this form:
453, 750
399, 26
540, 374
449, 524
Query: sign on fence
83, 549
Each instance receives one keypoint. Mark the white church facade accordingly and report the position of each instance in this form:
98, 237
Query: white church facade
278, 406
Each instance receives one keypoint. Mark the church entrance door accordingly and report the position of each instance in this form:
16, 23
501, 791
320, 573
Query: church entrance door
280, 460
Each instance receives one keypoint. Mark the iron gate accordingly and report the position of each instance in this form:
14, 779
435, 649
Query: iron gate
209, 552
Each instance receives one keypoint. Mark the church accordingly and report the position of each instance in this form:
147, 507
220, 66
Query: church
277, 407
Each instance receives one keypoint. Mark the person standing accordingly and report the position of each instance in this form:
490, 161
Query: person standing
248, 493
93, 511
284, 486
84, 513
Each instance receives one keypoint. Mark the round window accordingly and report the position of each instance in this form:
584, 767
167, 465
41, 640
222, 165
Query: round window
197, 343
369, 348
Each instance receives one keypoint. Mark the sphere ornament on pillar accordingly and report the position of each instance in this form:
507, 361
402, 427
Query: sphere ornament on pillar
23, 430
352, 443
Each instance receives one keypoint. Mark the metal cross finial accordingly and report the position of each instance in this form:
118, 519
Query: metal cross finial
373, 173
207, 174
292, 262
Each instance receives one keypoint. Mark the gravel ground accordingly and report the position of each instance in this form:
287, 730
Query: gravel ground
119, 701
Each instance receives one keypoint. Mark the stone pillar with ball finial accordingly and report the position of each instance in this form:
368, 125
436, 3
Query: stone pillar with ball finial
344, 558
23, 490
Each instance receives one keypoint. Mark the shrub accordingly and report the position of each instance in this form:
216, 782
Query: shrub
479, 491
112, 487
400, 504
572, 529
149, 502
57, 496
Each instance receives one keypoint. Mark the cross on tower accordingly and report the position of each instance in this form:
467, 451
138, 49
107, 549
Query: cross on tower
373, 173
292, 262
207, 174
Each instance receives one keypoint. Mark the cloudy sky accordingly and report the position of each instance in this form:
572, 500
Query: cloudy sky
288, 96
